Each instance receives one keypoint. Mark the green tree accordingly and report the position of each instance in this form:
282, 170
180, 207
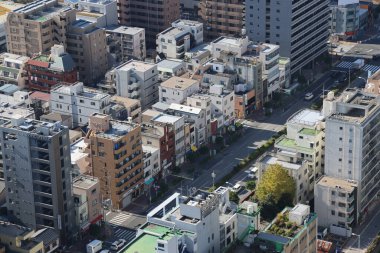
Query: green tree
234, 197
275, 184
251, 185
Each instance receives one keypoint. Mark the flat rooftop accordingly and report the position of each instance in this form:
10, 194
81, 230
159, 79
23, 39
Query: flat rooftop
174, 32
309, 131
77, 150
42, 10
306, 117
86, 92
147, 242
13, 230
32, 126
179, 83
228, 41
136, 65
8, 57
169, 64
355, 106
331, 182
127, 102
183, 22
124, 30
15, 112
166, 118
272, 160
185, 108
84, 182
117, 130
286, 143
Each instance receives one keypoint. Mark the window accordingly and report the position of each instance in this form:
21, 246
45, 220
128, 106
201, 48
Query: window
332, 212
332, 203
92, 103
81, 101
340, 128
101, 154
60, 97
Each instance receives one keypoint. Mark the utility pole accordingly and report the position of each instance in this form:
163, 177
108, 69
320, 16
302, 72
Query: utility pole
213, 175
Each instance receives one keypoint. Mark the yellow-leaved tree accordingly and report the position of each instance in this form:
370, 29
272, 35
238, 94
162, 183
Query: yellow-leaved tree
275, 184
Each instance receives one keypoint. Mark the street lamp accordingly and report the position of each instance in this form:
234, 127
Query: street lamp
358, 235
213, 175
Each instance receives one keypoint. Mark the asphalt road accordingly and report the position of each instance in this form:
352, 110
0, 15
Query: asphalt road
256, 133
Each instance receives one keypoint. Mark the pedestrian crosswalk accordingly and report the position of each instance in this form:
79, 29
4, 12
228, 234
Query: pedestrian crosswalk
122, 233
119, 219
345, 65
351, 65
372, 68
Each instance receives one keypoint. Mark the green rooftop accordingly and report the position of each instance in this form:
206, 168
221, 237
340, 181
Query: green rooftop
309, 131
42, 57
156, 229
290, 143
147, 242
144, 244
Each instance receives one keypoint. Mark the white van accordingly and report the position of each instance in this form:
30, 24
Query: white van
94, 246
236, 188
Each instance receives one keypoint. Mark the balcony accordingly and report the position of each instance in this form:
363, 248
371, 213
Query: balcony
350, 209
351, 199
350, 219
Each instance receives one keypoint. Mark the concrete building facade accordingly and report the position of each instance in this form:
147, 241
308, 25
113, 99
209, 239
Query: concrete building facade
154, 19
38, 173
86, 43
335, 202
222, 18
300, 28
137, 80
116, 159
79, 102
37, 26
177, 89
352, 146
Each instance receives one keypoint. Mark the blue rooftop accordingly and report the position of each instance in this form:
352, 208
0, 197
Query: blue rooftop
8, 89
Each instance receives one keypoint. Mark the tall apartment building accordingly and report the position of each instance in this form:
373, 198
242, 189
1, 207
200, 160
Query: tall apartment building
37, 173
125, 43
37, 26
153, 16
352, 146
86, 43
137, 80
222, 18
45, 71
344, 21
116, 158
189, 9
78, 102
13, 69
300, 28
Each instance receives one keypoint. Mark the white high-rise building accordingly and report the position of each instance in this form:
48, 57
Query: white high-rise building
299, 27
352, 145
